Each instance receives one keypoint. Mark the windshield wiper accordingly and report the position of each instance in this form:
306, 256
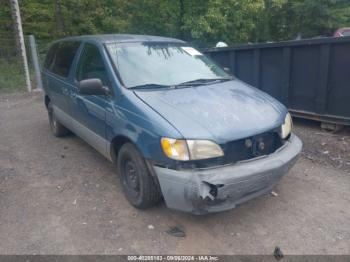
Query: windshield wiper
203, 81
149, 86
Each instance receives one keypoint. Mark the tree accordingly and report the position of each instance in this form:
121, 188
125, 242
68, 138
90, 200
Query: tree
203, 22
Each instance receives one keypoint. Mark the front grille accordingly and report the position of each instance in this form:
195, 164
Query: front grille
251, 147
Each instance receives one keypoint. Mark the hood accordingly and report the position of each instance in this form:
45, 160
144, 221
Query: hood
221, 112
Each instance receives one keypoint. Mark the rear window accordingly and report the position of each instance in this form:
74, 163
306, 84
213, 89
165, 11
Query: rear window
60, 59
50, 56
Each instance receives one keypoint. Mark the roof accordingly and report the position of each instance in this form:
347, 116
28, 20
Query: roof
121, 38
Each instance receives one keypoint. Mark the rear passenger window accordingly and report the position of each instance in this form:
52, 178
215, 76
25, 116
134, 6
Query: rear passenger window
64, 57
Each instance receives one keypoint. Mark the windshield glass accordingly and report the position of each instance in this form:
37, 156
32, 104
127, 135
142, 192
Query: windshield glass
163, 64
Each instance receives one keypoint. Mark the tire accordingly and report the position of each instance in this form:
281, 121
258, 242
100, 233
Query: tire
138, 184
56, 127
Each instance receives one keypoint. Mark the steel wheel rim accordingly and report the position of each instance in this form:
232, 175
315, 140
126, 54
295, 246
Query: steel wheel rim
131, 178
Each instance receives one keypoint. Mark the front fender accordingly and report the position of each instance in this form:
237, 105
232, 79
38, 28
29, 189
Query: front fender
133, 119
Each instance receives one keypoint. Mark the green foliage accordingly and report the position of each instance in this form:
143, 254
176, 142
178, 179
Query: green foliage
320, 17
200, 21
227, 20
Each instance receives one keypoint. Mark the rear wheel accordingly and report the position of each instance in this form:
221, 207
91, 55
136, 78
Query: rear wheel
56, 127
139, 185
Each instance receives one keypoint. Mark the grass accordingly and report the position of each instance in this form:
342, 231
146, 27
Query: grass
11, 76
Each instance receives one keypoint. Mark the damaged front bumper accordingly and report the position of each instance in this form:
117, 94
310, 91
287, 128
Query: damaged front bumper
200, 191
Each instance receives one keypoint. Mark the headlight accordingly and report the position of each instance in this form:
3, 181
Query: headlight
286, 128
190, 149
175, 149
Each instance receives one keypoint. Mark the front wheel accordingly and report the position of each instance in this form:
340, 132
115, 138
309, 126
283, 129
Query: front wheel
138, 184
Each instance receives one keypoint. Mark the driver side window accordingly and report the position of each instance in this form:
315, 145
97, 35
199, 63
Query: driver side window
91, 65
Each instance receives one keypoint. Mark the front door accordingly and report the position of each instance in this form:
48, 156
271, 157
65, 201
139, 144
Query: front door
89, 111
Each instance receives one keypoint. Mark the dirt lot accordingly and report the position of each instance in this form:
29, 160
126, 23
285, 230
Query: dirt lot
59, 196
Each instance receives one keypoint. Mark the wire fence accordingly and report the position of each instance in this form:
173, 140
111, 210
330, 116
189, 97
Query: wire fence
12, 76
12, 66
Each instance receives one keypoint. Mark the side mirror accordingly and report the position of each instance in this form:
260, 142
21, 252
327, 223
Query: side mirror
92, 86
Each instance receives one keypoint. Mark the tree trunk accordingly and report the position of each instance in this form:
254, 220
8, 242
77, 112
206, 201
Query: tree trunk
61, 26
181, 19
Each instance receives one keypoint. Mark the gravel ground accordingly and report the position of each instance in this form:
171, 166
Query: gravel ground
59, 196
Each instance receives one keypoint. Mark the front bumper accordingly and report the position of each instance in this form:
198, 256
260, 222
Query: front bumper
200, 191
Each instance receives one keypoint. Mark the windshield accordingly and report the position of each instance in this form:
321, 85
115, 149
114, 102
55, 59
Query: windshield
163, 64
